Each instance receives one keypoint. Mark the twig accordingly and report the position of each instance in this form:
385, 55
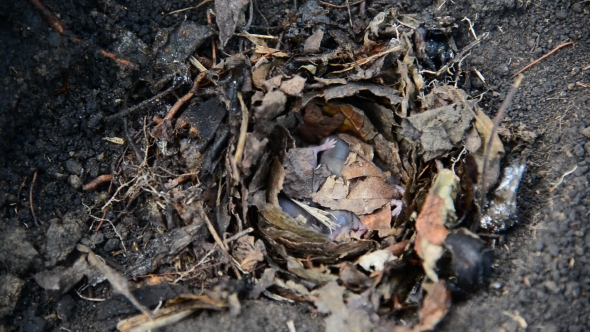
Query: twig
479, 75
459, 57
250, 18
342, 6
120, 61
243, 130
584, 85
541, 58
553, 187
505, 104
470, 27
141, 105
179, 180
118, 235
213, 43
93, 299
183, 274
349, 14
92, 185
191, 93
239, 235
369, 59
31, 197
117, 281
249, 35
204, 2
216, 237
54, 22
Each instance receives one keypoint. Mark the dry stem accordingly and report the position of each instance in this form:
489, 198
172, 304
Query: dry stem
541, 58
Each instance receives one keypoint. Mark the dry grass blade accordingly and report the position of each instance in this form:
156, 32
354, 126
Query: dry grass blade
369, 59
171, 314
204, 2
116, 280
243, 130
320, 215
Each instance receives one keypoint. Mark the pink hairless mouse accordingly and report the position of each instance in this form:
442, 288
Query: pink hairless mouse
327, 145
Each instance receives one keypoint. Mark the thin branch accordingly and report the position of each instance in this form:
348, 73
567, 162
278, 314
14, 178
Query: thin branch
541, 58
497, 119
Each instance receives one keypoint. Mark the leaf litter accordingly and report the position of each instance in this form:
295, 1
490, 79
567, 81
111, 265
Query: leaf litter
313, 168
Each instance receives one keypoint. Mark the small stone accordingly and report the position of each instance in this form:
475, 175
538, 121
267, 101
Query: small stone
65, 307
561, 14
10, 288
551, 286
578, 150
553, 249
75, 181
586, 132
573, 289
62, 236
111, 245
97, 238
587, 148
73, 166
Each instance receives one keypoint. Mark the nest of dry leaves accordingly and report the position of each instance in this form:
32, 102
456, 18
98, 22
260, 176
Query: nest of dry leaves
330, 170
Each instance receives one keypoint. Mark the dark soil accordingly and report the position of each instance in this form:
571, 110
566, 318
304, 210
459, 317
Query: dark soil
541, 270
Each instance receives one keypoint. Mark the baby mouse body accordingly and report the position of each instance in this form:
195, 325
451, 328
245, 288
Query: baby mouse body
335, 157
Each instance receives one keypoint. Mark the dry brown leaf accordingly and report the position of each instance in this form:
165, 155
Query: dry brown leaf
361, 197
484, 126
355, 120
353, 278
356, 167
317, 125
117, 281
312, 43
444, 95
294, 86
253, 150
388, 151
275, 182
260, 72
330, 81
379, 221
358, 146
397, 249
438, 208
229, 14
174, 311
352, 89
247, 253
330, 300
273, 103
435, 306
273, 83
317, 275
302, 176
408, 89
438, 130
472, 141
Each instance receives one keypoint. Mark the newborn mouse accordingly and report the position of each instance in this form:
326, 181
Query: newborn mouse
347, 222
335, 157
